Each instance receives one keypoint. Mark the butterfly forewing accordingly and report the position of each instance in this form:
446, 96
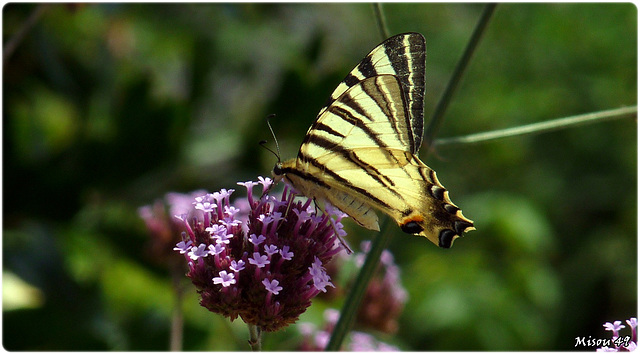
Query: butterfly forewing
402, 56
370, 114
360, 154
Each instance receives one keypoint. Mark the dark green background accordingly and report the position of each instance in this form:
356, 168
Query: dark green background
107, 107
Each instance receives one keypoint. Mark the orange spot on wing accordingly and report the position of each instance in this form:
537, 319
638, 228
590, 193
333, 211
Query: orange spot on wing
412, 224
416, 218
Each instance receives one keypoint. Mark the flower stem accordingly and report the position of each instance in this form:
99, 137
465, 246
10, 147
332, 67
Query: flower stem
353, 300
255, 337
380, 20
438, 114
175, 341
16, 39
542, 127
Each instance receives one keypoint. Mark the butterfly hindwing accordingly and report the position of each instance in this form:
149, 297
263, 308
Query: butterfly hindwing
361, 152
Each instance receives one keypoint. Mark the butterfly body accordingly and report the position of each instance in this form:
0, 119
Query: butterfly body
361, 152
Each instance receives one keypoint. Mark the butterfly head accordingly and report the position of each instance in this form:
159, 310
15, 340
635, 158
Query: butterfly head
277, 172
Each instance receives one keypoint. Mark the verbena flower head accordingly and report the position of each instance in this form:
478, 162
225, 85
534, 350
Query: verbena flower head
379, 310
163, 228
262, 260
385, 297
614, 327
620, 343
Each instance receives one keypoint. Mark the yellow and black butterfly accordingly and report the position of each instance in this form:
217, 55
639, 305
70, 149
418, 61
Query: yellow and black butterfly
361, 152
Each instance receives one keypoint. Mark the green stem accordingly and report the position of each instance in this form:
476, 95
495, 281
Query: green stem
15, 40
380, 20
255, 338
438, 114
354, 298
542, 127
177, 320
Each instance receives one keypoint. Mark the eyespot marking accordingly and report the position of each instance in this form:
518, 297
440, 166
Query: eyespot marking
446, 238
411, 225
437, 192
451, 209
461, 226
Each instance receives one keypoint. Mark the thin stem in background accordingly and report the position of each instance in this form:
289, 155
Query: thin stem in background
381, 21
17, 38
438, 114
542, 127
177, 318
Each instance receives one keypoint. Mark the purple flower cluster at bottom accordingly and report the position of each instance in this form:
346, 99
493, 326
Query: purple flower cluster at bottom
621, 343
317, 339
383, 303
261, 260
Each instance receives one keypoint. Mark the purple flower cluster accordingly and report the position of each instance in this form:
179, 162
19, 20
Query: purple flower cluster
163, 228
385, 297
380, 309
621, 343
262, 260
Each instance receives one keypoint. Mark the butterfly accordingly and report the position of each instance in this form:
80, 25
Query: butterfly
360, 155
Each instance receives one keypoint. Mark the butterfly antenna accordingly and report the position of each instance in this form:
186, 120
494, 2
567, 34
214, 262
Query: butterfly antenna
276, 154
263, 142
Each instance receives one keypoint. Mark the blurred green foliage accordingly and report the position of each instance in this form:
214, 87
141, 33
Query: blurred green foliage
109, 106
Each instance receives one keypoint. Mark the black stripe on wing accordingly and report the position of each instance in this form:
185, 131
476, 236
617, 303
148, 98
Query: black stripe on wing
347, 116
350, 80
304, 175
325, 128
385, 101
350, 157
408, 62
366, 67
404, 57
346, 183
382, 96
381, 91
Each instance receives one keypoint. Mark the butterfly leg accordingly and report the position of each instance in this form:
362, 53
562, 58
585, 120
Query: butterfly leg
286, 212
335, 227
